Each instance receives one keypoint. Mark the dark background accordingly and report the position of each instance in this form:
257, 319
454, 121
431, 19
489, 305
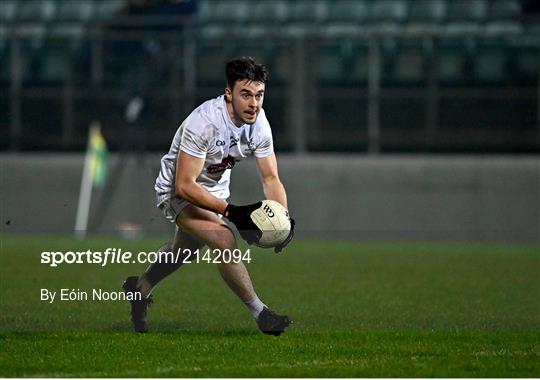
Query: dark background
346, 75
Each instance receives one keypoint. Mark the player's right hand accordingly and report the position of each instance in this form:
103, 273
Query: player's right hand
280, 247
241, 217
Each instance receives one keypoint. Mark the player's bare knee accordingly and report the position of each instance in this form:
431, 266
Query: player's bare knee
223, 238
167, 247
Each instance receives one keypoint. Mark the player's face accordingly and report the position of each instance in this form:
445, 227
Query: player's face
245, 101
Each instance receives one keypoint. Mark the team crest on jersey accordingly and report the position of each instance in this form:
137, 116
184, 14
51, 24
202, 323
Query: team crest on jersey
227, 163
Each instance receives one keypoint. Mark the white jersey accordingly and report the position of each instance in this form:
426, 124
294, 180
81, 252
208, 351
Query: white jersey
209, 133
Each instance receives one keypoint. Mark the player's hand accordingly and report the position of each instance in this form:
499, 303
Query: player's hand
280, 247
241, 217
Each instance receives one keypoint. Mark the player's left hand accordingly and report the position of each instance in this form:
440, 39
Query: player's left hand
280, 247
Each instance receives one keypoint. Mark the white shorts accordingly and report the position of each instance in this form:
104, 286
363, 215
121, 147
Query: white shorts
172, 207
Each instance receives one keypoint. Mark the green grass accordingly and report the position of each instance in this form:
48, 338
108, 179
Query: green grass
360, 310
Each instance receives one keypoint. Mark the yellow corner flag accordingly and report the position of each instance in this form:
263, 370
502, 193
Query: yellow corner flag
94, 175
99, 156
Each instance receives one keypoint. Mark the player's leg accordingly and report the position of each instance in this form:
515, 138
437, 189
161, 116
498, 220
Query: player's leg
183, 243
156, 272
144, 283
207, 227
210, 229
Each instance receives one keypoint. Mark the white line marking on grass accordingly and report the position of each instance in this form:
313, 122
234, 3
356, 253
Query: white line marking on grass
306, 363
127, 373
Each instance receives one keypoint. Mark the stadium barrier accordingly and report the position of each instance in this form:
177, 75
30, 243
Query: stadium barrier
489, 198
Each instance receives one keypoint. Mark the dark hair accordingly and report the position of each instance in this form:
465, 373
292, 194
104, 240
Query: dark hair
245, 68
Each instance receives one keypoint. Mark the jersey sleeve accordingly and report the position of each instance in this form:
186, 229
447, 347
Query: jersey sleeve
265, 145
194, 141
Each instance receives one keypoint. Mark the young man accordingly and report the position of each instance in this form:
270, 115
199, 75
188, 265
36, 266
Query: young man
193, 185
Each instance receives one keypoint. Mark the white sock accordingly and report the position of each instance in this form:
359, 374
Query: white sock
255, 306
144, 286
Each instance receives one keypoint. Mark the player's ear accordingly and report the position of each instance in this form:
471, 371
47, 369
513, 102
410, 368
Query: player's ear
228, 94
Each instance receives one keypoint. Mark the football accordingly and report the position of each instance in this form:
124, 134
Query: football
273, 220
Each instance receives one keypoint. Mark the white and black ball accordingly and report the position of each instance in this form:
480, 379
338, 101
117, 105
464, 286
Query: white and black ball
274, 222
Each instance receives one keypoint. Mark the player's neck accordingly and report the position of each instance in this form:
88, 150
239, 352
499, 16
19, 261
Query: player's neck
238, 123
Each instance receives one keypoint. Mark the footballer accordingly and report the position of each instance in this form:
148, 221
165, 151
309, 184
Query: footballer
193, 186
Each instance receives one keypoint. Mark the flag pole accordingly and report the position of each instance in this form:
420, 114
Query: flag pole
85, 193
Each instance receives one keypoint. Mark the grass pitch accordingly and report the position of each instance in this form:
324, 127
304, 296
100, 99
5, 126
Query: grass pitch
360, 309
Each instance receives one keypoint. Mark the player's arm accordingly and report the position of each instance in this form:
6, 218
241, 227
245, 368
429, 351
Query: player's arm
187, 170
272, 186
274, 189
